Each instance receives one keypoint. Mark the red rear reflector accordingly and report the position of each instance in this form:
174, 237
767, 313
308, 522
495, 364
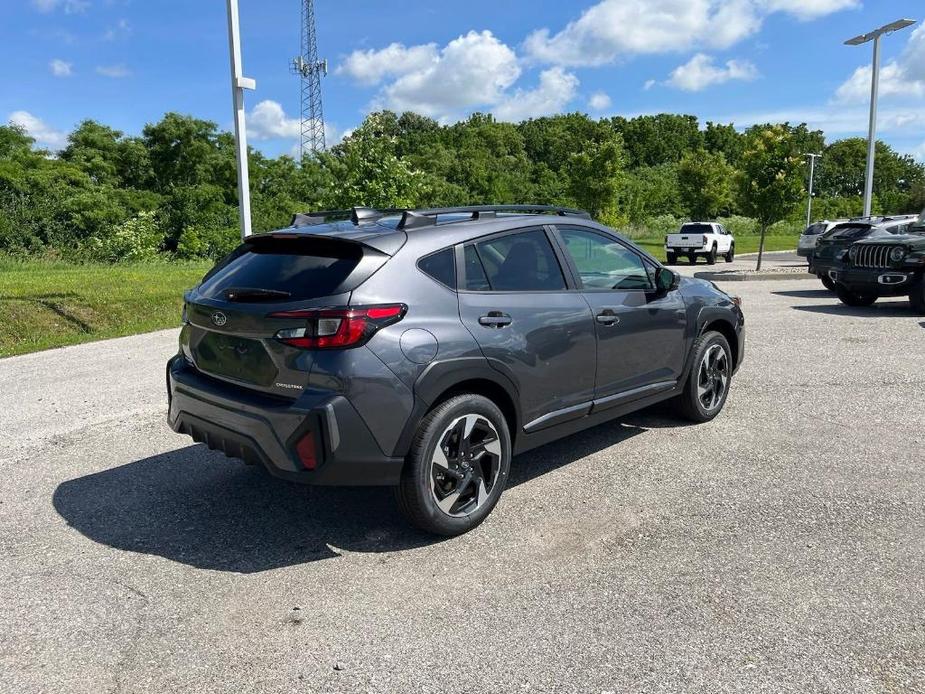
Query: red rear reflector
305, 449
379, 312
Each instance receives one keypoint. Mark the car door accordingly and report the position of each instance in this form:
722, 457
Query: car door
725, 239
529, 323
640, 332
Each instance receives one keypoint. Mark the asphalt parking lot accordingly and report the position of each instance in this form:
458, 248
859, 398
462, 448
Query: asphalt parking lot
779, 548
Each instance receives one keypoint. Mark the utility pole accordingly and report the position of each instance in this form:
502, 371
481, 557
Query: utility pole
874, 79
238, 84
310, 70
809, 202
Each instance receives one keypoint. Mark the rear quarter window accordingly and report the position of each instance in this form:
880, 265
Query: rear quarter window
441, 266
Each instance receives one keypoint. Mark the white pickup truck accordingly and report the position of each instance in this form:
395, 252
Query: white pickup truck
708, 239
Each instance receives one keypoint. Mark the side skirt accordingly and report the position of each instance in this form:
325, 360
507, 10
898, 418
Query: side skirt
528, 441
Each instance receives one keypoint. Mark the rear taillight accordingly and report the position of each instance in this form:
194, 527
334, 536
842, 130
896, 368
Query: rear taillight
704, 240
337, 328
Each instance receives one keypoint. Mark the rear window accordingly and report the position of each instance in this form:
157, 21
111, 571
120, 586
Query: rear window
849, 231
814, 229
696, 229
290, 270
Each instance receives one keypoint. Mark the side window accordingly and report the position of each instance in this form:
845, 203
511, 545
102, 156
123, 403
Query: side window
521, 262
441, 266
603, 263
476, 279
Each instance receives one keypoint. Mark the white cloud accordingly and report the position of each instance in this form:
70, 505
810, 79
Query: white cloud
60, 68
45, 135
556, 89
616, 28
268, 121
700, 72
69, 6
113, 71
810, 9
649, 84
372, 66
472, 70
902, 77
122, 29
599, 101
836, 120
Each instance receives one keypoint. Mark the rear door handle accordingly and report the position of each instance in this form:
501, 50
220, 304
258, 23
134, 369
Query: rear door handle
607, 317
495, 319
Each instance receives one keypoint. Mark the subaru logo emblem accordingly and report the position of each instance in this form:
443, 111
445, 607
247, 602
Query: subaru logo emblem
219, 318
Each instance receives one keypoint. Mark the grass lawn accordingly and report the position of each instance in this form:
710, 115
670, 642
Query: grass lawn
744, 244
46, 304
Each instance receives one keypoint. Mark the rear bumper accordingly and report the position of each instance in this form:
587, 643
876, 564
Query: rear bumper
804, 252
684, 250
264, 430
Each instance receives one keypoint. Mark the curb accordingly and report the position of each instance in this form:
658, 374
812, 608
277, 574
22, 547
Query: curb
738, 276
755, 254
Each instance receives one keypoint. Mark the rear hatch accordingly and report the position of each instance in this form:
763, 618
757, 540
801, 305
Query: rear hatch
237, 319
690, 236
840, 237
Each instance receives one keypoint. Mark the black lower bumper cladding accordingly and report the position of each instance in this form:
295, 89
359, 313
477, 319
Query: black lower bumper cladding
264, 431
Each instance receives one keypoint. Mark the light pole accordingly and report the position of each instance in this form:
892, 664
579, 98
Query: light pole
238, 84
812, 170
874, 76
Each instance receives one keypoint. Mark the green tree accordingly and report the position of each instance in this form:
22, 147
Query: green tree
724, 139
705, 184
183, 151
658, 139
594, 176
771, 182
364, 170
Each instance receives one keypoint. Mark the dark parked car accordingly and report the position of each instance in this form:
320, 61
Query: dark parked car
885, 266
830, 250
422, 349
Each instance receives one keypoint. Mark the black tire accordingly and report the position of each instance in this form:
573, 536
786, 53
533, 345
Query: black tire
670, 259
850, 298
692, 259
711, 256
731, 253
420, 483
917, 297
828, 282
690, 404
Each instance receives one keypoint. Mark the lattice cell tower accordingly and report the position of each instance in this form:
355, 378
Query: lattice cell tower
310, 71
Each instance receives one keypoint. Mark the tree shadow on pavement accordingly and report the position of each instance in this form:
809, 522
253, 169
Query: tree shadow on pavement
195, 506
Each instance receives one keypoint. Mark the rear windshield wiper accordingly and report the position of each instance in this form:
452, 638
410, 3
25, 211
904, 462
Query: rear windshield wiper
253, 294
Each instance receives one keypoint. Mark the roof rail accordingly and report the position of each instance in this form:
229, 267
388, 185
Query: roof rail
412, 219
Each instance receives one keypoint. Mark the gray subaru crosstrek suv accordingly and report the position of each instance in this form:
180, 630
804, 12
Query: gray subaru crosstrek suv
423, 349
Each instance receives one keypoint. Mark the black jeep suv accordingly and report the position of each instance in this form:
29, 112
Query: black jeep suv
422, 349
886, 266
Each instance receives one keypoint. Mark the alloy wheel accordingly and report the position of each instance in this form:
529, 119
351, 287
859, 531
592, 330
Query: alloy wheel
465, 465
712, 377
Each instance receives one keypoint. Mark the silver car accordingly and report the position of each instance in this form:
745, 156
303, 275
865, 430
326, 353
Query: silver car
811, 235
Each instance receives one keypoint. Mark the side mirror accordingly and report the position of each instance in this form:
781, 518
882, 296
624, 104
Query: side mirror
666, 280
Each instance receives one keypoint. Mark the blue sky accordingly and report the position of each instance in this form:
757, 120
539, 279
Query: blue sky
126, 62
